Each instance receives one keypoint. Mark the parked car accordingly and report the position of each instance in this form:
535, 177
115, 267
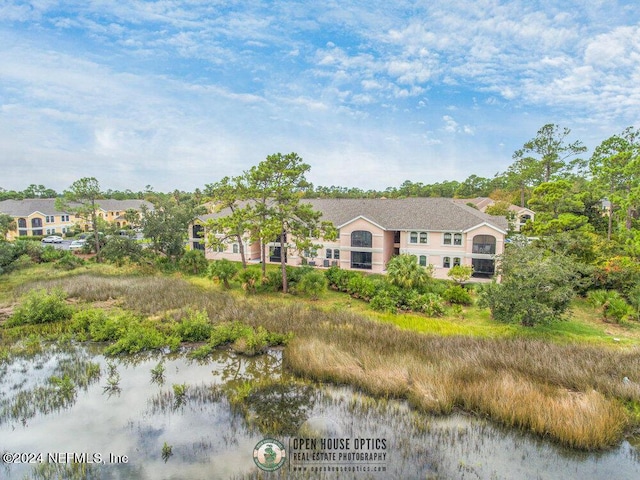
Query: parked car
77, 244
52, 239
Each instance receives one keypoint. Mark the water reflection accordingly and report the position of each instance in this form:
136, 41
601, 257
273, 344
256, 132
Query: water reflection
229, 403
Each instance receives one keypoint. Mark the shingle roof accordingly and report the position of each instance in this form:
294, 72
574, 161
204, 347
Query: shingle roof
47, 206
434, 214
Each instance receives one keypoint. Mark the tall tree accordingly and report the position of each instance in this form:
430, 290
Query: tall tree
558, 207
278, 184
550, 145
82, 200
230, 194
615, 167
167, 223
522, 175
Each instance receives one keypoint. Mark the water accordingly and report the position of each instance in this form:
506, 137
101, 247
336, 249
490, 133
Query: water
231, 403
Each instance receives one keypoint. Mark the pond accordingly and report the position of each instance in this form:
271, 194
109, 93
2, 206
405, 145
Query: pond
72, 413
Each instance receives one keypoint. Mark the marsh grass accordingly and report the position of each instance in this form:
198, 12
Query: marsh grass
570, 392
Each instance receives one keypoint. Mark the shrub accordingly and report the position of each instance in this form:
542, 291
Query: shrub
614, 307
103, 328
458, 295
195, 328
119, 250
460, 273
51, 254
386, 300
405, 272
224, 270
28, 247
250, 279
339, 279
138, 338
82, 320
39, 306
361, 286
68, 262
313, 285
193, 262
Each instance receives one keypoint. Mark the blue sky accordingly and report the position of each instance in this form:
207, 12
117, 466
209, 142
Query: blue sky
177, 94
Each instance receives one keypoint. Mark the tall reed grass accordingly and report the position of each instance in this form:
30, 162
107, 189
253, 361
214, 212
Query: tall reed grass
572, 393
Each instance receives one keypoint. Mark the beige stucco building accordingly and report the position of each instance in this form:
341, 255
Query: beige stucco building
39, 216
438, 231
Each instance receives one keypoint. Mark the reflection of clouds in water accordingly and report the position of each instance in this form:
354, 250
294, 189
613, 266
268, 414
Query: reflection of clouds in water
321, 427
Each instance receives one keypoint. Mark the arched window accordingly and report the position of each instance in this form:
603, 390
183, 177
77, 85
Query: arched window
413, 237
446, 262
457, 239
447, 239
423, 237
423, 260
236, 248
361, 238
456, 261
36, 223
22, 223
485, 244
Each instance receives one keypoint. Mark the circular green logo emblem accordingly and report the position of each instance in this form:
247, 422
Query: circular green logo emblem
269, 454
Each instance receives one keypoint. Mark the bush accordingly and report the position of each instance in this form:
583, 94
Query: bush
82, 320
68, 262
460, 273
119, 250
224, 270
193, 262
361, 286
386, 300
250, 278
195, 328
458, 295
313, 285
138, 338
51, 254
614, 306
39, 306
339, 279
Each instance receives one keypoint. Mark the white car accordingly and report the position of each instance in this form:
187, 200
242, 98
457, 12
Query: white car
52, 239
77, 244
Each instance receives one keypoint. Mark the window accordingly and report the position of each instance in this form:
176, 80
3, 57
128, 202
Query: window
328, 253
22, 223
361, 238
446, 262
220, 248
447, 239
423, 260
336, 253
456, 261
485, 244
396, 237
64, 218
413, 237
236, 248
49, 219
198, 246
36, 223
361, 260
423, 237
